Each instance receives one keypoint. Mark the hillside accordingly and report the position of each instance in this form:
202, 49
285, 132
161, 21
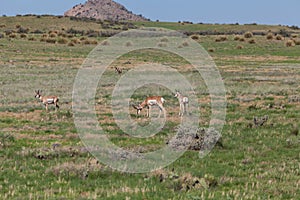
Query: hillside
103, 10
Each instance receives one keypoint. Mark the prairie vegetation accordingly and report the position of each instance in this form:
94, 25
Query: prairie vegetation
42, 157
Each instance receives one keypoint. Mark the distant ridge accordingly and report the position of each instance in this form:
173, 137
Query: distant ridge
103, 10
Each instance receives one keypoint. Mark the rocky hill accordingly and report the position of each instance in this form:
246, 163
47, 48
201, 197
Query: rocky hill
103, 10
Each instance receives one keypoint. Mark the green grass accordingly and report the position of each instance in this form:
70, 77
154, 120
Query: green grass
42, 157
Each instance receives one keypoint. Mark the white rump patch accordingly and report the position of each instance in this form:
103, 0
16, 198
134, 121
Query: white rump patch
49, 101
152, 102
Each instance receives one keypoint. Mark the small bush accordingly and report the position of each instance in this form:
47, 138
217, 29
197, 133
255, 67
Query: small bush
94, 42
52, 35
71, 44
221, 38
128, 44
211, 50
248, 34
62, 41
294, 35
43, 39
13, 35
164, 39
185, 44
239, 47
23, 35
270, 36
242, 39
195, 37
18, 26
279, 37
51, 40
289, 43
76, 41
32, 39
105, 43
252, 41
162, 44
237, 38
297, 42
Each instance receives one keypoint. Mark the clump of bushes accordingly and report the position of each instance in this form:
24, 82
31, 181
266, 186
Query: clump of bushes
13, 35
252, 41
297, 42
32, 39
248, 34
23, 35
211, 50
279, 37
239, 47
51, 40
221, 38
237, 38
195, 37
270, 36
290, 43
62, 41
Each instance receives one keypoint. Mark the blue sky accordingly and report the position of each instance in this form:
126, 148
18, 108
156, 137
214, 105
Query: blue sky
211, 11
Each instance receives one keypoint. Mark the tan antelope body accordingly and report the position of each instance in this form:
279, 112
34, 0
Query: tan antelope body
46, 100
183, 103
149, 102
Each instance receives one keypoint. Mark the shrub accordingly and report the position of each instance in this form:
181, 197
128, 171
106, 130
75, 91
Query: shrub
221, 38
289, 43
95, 42
185, 44
211, 50
128, 44
195, 37
239, 47
294, 35
62, 41
13, 35
162, 44
51, 40
32, 39
297, 42
76, 41
52, 35
279, 37
270, 36
237, 38
242, 39
252, 41
23, 35
43, 39
38, 31
105, 43
18, 26
164, 39
248, 34
71, 44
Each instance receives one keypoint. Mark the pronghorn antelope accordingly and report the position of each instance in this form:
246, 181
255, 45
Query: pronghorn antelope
46, 100
118, 70
183, 103
149, 102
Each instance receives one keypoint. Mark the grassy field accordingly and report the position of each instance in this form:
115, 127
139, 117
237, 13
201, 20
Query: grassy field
42, 156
